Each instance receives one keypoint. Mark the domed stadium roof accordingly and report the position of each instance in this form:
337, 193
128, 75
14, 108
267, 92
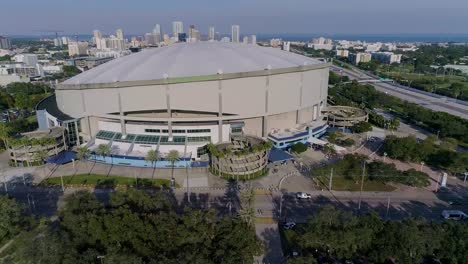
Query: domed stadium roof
190, 60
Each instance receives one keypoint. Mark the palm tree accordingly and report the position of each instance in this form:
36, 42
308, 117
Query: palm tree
152, 156
103, 150
83, 153
173, 156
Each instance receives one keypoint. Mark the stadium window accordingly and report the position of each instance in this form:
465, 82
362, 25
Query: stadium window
199, 131
150, 130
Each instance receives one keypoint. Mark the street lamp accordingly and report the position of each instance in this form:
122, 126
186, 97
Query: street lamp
422, 164
384, 156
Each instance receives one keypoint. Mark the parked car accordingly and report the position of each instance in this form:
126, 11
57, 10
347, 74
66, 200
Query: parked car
454, 215
289, 225
303, 195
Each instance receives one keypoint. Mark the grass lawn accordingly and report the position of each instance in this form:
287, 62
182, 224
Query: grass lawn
343, 184
105, 181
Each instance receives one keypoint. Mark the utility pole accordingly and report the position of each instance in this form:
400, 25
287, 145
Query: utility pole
61, 179
466, 174
362, 184
331, 180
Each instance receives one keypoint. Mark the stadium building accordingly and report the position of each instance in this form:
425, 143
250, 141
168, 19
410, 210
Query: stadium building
184, 96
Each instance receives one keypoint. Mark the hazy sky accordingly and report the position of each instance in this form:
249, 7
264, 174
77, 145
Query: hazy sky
254, 16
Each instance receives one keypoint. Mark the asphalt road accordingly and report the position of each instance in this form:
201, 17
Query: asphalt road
391, 207
436, 104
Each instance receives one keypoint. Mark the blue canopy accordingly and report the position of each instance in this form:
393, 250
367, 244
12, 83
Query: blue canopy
278, 155
62, 158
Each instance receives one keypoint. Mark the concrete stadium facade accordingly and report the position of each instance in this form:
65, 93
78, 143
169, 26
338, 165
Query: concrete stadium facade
244, 90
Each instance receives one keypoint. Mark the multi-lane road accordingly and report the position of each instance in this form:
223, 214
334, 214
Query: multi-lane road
430, 101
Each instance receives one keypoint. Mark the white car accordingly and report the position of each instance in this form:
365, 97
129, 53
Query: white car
454, 215
303, 195
289, 225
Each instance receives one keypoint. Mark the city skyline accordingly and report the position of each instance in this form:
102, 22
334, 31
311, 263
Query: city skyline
303, 17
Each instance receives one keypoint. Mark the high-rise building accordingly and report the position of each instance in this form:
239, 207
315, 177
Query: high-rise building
177, 28
245, 40
120, 34
115, 43
97, 34
211, 33
5, 43
58, 42
157, 29
77, 48
65, 40
235, 34
286, 45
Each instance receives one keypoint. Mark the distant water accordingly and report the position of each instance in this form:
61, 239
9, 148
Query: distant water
431, 38
428, 38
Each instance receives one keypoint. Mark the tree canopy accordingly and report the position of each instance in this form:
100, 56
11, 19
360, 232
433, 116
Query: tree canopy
135, 227
333, 235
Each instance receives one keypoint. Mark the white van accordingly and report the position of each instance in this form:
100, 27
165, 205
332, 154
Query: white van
454, 215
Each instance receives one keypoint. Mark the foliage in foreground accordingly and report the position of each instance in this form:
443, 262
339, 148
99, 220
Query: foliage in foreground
12, 219
139, 228
338, 235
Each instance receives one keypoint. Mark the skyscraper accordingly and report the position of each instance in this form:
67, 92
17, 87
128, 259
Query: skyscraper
120, 34
211, 33
98, 40
177, 28
235, 33
191, 31
157, 29
5, 43
97, 34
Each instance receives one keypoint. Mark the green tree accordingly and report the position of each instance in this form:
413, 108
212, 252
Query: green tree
361, 127
103, 150
152, 156
11, 218
172, 157
299, 147
83, 153
5, 134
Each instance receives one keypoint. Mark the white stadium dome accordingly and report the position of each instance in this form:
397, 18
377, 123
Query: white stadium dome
188, 60
187, 95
